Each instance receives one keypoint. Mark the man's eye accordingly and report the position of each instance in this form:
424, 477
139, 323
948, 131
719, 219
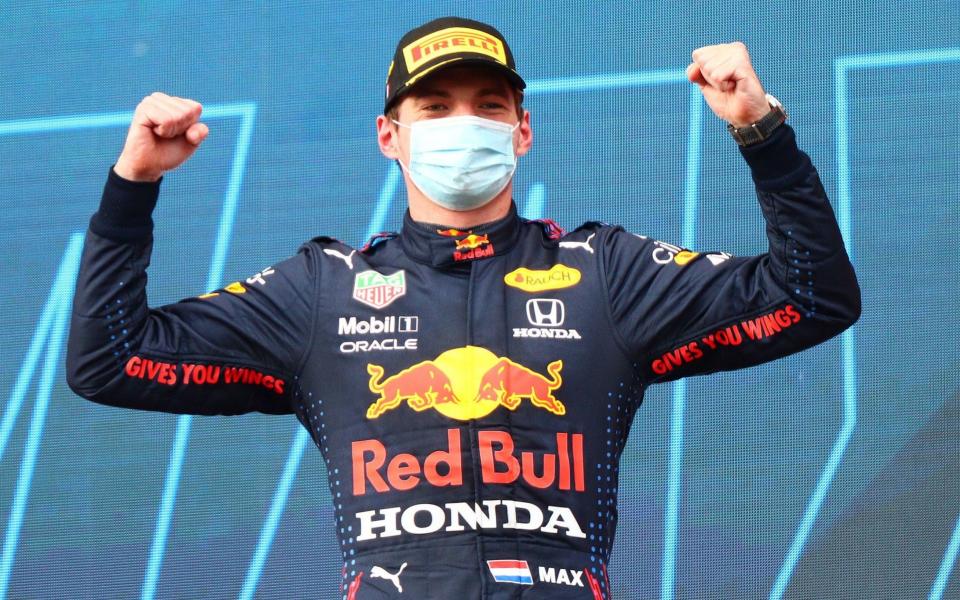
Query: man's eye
492, 106
433, 107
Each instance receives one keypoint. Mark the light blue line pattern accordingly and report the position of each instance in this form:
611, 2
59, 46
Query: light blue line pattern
26, 372
277, 507
898, 59
384, 201
691, 188
848, 364
111, 119
536, 197
247, 112
379, 216
942, 55
671, 523
61, 298
594, 83
167, 501
842, 67
946, 565
64, 123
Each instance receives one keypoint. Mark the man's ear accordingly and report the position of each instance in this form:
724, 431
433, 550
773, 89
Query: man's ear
525, 134
387, 137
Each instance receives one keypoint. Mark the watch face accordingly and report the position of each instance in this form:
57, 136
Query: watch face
773, 101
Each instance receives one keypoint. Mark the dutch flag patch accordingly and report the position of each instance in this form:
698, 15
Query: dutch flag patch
510, 571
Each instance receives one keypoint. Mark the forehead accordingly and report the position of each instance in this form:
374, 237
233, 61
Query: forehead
462, 79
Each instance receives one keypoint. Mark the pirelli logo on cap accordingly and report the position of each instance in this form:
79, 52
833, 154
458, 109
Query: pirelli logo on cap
451, 41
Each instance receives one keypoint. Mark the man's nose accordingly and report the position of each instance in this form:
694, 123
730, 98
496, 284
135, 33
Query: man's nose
462, 108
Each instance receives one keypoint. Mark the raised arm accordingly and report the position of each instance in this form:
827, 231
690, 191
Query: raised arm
683, 313
231, 351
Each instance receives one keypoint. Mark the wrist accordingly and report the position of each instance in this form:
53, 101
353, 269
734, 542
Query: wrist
761, 128
125, 209
124, 170
749, 120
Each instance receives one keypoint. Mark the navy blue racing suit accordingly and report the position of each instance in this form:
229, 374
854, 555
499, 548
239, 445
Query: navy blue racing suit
471, 391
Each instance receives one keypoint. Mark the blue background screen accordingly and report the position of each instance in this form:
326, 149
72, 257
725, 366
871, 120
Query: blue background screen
834, 473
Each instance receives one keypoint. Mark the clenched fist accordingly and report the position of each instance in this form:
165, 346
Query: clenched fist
165, 132
729, 84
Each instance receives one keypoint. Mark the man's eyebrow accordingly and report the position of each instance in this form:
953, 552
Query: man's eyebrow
494, 91
431, 92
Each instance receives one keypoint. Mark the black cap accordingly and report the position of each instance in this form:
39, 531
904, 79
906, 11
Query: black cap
444, 42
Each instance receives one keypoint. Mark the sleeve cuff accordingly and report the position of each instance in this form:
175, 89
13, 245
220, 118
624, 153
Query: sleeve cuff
777, 162
125, 209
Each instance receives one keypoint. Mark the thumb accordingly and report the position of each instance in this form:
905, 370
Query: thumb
197, 133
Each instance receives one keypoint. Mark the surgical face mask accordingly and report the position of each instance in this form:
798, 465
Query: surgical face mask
461, 163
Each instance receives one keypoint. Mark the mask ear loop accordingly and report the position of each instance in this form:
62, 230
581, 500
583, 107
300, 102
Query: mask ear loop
397, 148
406, 169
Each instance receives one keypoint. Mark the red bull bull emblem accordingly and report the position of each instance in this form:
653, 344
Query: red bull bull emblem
465, 383
453, 232
473, 246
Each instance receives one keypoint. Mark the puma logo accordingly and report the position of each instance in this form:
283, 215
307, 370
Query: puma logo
345, 258
382, 573
585, 245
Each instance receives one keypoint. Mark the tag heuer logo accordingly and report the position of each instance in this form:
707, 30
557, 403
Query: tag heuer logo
377, 290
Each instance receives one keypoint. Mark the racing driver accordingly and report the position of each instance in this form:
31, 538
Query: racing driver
470, 381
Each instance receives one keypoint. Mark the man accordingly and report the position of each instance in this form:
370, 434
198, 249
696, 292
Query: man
471, 381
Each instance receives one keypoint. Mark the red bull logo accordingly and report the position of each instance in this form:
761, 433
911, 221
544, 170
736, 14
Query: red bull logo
453, 232
378, 469
473, 241
465, 383
473, 246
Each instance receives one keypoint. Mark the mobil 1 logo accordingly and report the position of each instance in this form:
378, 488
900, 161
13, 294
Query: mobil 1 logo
391, 327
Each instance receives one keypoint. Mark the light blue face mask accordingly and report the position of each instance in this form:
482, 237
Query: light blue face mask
461, 163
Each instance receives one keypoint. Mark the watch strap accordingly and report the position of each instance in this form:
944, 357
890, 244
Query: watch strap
760, 130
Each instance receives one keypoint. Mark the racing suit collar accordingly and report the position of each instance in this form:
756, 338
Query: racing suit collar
443, 246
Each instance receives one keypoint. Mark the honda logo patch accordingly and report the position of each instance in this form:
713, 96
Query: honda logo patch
545, 312
546, 315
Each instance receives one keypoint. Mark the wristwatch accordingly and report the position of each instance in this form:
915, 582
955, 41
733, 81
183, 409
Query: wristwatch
761, 130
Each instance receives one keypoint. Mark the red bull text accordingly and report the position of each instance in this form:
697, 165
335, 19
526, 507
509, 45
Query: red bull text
374, 470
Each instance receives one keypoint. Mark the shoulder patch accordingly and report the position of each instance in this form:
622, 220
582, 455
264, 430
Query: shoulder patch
550, 228
376, 240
